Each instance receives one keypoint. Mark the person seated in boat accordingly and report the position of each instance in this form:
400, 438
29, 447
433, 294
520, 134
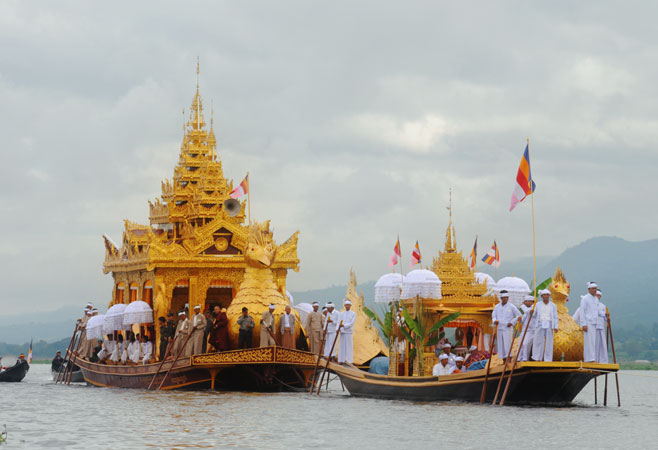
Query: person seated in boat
459, 365
133, 350
119, 354
146, 350
108, 348
57, 362
442, 368
447, 350
247, 324
475, 355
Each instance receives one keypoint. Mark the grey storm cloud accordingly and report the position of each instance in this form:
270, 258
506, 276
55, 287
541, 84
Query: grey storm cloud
354, 120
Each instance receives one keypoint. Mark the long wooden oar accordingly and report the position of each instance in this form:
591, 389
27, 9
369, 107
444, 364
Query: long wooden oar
173, 363
614, 357
326, 368
320, 355
272, 335
68, 349
605, 389
516, 358
164, 358
509, 354
72, 360
486, 375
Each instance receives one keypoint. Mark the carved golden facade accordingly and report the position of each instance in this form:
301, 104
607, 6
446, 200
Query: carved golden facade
192, 252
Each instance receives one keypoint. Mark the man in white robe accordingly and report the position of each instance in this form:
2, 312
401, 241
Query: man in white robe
459, 365
547, 323
601, 328
133, 350
146, 350
526, 309
119, 354
588, 315
183, 330
447, 350
333, 318
108, 348
346, 348
442, 368
195, 344
505, 315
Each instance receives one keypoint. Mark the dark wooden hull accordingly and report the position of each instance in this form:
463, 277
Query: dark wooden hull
532, 383
15, 374
259, 369
76, 376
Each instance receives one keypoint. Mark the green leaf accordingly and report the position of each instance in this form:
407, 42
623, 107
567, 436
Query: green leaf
443, 321
543, 285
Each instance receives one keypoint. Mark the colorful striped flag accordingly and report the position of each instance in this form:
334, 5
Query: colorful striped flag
493, 256
524, 184
474, 253
415, 255
241, 189
395, 257
29, 353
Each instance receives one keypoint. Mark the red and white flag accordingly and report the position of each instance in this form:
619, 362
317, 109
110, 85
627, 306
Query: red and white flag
241, 189
415, 255
395, 257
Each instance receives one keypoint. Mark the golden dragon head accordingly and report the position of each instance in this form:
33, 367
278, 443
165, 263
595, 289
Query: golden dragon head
260, 249
559, 287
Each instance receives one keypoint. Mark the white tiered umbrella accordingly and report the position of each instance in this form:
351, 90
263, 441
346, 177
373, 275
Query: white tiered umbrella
137, 312
516, 287
423, 283
304, 309
485, 278
95, 327
113, 319
387, 288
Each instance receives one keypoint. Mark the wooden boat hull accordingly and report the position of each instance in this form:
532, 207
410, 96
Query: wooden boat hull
258, 369
532, 383
76, 376
15, 374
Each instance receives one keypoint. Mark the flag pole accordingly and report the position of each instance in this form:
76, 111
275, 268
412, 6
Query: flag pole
248, 199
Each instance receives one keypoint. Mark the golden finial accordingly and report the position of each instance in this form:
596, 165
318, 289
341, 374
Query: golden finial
197, 73
183, 120
449, 207
212, 113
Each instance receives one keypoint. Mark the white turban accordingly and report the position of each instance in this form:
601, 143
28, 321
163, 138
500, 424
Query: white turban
197, 306
592, 284
272, 306
443, 356
598, 292
529, 298
316, 303
544, 292
181, 313
459, 358
504, 294
330, 305
447, 345
347, 302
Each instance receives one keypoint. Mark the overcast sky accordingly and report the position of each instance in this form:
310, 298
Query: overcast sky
353, 118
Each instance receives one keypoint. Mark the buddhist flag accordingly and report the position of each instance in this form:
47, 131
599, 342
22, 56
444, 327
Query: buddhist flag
395, 257
524, 184
493, 256
474, 253
29, 353
241, 189
415, 255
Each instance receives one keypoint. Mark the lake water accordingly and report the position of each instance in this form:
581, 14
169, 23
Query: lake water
40, 414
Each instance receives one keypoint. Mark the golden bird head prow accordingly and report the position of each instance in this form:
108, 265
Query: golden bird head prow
559, 286
260, 250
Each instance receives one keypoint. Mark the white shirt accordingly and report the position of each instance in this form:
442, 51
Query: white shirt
546, 315
133, 351
505, 314
147, 349
286, 321
335, 318
601, 319
589, 310
348, 318
439, 370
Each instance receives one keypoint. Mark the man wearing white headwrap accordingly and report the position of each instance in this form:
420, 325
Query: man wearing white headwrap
459, 365
198, 324
547, 323
601, 328
107, 349
82, 326
442, 368
588, 315
183, 330
447, 350
313, 327
332, 318
505, 315
346, 348
526, 307
267, 327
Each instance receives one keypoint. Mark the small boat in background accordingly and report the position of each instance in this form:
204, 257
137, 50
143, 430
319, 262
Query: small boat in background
15, 373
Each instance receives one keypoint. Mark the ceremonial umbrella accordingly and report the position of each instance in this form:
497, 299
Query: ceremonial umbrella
95, 327
387, 288
137, 312
113, 319
485, 278
516, 287
304, 309
422, 283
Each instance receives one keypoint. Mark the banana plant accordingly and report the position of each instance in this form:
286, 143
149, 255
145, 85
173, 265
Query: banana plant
385, 325
543, 285
419, 330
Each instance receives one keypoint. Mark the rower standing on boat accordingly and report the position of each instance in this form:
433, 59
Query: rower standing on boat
526, 308
346, 348
267, 327
588, 315
505, 315
547, 324
287, 328
333, 317
601, 328
247, 325
195, 344
183, 329
313, 326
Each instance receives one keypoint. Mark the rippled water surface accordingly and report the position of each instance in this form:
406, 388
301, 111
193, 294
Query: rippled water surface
40, 414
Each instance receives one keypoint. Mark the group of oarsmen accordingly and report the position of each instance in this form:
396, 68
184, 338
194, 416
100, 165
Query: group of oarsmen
592, 316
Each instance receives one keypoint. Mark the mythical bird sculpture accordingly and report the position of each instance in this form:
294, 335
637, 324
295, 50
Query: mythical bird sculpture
569, 338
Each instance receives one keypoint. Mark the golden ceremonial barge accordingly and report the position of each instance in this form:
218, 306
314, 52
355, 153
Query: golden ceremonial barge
202, 250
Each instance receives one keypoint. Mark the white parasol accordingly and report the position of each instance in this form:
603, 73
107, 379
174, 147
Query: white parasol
387, 288
423, 283
137, 312
113, 319
516, 287
290, 299
95, 327
304, 309
485, 278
